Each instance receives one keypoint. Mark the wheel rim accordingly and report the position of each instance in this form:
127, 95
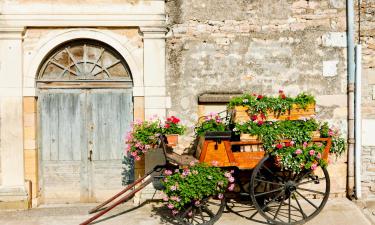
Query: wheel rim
284, 197
207, 212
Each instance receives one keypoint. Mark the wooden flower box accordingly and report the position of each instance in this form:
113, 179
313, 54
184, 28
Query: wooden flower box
296, 113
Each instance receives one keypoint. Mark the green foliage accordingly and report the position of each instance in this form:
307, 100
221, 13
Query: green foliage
269, 132
265, 104
212, 122
189, 185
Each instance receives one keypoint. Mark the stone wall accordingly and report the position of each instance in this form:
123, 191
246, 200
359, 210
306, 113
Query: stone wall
368, 103
259, 46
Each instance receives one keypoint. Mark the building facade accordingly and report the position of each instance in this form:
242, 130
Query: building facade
74, 74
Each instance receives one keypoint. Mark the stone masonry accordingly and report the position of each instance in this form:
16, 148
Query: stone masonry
368, 104
230, 46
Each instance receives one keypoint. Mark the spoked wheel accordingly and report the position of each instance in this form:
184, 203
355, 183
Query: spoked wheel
207, 212
285, 197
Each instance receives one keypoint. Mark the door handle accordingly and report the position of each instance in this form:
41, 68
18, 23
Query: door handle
90, 155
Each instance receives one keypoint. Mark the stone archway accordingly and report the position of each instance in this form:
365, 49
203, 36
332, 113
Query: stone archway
84, 108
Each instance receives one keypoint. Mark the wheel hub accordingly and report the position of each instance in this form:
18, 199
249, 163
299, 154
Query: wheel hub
290, 186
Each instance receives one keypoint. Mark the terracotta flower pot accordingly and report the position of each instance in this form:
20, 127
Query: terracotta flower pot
172, 139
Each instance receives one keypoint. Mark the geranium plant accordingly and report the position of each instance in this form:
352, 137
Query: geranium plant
262, 105
299, 157
142, 137
338, 143
212, 122
173, 126
190, 185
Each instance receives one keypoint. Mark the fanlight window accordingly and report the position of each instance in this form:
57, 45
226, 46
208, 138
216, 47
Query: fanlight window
84, 60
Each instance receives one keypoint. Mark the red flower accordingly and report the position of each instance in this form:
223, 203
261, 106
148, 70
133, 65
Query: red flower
175, 120
281, 91
288, 144
260, 97
283, 96
260, 122
279, 146
262, 116
254, 117
167, 125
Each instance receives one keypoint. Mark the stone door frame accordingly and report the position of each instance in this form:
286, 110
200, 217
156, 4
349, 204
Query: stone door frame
19, 70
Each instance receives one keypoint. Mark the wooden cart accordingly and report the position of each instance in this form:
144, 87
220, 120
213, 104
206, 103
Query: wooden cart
280, 196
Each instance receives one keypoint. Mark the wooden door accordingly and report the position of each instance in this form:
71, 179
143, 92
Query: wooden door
81, 142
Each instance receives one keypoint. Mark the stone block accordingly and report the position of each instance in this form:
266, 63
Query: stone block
29, 133
331, 100
334, 39
29, 104
368, 128
29, 120
330, 68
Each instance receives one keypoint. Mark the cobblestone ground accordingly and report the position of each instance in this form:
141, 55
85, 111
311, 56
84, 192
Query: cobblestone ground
337, 211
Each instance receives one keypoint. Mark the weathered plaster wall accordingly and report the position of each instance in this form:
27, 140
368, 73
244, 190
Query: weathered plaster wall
368, 99
259, 46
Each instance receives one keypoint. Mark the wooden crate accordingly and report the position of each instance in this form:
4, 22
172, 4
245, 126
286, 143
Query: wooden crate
296, 113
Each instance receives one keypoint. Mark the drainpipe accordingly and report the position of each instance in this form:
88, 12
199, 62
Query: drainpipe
351, 68
358, 120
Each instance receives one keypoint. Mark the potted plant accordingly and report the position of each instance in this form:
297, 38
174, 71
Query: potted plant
188, 186
172, 128
143, 136
263, 107
211, 123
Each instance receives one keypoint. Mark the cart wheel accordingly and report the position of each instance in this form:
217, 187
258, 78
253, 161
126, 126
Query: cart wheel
207, 212
285, 197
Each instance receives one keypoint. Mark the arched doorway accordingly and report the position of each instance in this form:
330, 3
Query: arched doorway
84, 108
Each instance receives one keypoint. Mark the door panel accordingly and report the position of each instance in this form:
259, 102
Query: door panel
106, 110
74, 123
62, 144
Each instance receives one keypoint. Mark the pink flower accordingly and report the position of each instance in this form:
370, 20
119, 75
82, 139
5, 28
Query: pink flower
314, 166
147, 147
168, 172
220, 196
190, 214
165, 198
227, 174
231, 179
170, 206
215, 163
192, 163
330, 132
319, 155
134, 154
197, 202
292, 142
312, 152
279, 146
173, 188
231, 187
305, 144
175, 198
175, 212
298, 151
137, 158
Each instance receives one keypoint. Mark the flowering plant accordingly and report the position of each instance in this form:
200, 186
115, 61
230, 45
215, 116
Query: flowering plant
172, 126
184, 187
260, 104
143, 136
338, 143
212, 122
299, 157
